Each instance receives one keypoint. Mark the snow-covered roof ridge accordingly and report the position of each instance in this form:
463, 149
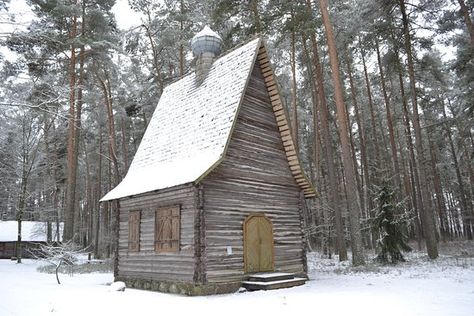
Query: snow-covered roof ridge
206, 31
190, 127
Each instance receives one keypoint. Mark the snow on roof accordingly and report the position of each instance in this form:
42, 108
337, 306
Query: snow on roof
30, 231
190, 127
206, 31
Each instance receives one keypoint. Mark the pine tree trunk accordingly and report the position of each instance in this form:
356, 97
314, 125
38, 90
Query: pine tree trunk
462, 194
156, 60
354, 160
393, 147
253, 4
415, 183
78, 119
440, 203
98, 196
294, 121
467, 19
114, 210
316, 170
361, 134
429, 229
89, 198
112, 142
124, 144
71, 171
181, 46
21, 206
354, 211
56, 192
327, 147
375, 139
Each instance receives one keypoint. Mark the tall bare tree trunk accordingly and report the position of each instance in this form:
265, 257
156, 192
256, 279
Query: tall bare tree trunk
354, 210
440, 203
253, 5
366, 202
78, 120
22, 198
429, 229
181, 46
327, 146
316, 170
375, 140
114, 209
294, 121
71, 172
462, 194
414, 179
467, 19
361, 135
98, 196
156, 57
124, 145
393, 147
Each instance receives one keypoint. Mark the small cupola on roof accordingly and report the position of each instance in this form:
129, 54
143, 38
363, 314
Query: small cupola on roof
206, 46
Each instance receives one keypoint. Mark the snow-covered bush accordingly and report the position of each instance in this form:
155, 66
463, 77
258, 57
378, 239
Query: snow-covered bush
57, 255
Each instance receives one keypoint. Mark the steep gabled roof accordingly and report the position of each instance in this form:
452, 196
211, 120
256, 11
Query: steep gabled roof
188, 134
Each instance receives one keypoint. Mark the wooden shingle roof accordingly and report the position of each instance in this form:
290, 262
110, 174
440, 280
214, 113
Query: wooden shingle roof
192, 125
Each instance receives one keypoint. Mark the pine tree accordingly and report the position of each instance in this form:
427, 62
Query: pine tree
390, 225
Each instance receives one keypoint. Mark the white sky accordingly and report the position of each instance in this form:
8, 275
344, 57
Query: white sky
125, 16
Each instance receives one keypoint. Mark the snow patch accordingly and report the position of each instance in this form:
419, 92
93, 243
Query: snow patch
117, 287
418, 287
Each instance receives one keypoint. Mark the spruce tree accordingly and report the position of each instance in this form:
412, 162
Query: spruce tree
390, 223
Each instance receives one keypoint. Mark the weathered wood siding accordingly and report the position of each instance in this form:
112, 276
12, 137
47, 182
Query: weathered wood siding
147, 263
254, 177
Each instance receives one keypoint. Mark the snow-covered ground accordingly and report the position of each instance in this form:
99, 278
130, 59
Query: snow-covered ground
418, 287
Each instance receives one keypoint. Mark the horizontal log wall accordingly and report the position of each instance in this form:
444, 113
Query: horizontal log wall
254, 177
146, 263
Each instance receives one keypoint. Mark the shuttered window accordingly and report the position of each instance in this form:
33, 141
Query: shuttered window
134, 231
167, 229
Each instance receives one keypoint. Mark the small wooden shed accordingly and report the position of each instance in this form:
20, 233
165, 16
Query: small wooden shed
34, 234
215, 190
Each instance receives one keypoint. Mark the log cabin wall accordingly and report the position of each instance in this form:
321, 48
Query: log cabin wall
254, 177
147, 264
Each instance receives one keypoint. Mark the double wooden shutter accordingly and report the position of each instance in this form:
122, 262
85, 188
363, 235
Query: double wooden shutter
134, 231
167, 229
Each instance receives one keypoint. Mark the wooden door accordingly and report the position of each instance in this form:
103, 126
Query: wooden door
258, 244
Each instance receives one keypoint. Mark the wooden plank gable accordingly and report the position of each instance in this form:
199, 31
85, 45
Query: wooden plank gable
283, 124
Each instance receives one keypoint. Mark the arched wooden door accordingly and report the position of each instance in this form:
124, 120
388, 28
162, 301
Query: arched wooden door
258, 244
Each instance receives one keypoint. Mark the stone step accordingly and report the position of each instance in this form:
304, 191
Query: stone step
270, 276
272, 285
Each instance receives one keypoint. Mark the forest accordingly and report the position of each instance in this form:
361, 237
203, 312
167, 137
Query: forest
380, 95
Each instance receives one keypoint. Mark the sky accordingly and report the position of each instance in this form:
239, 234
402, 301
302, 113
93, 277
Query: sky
125, 16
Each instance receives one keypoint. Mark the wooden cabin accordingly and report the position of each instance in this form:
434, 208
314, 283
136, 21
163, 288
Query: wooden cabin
216, 189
